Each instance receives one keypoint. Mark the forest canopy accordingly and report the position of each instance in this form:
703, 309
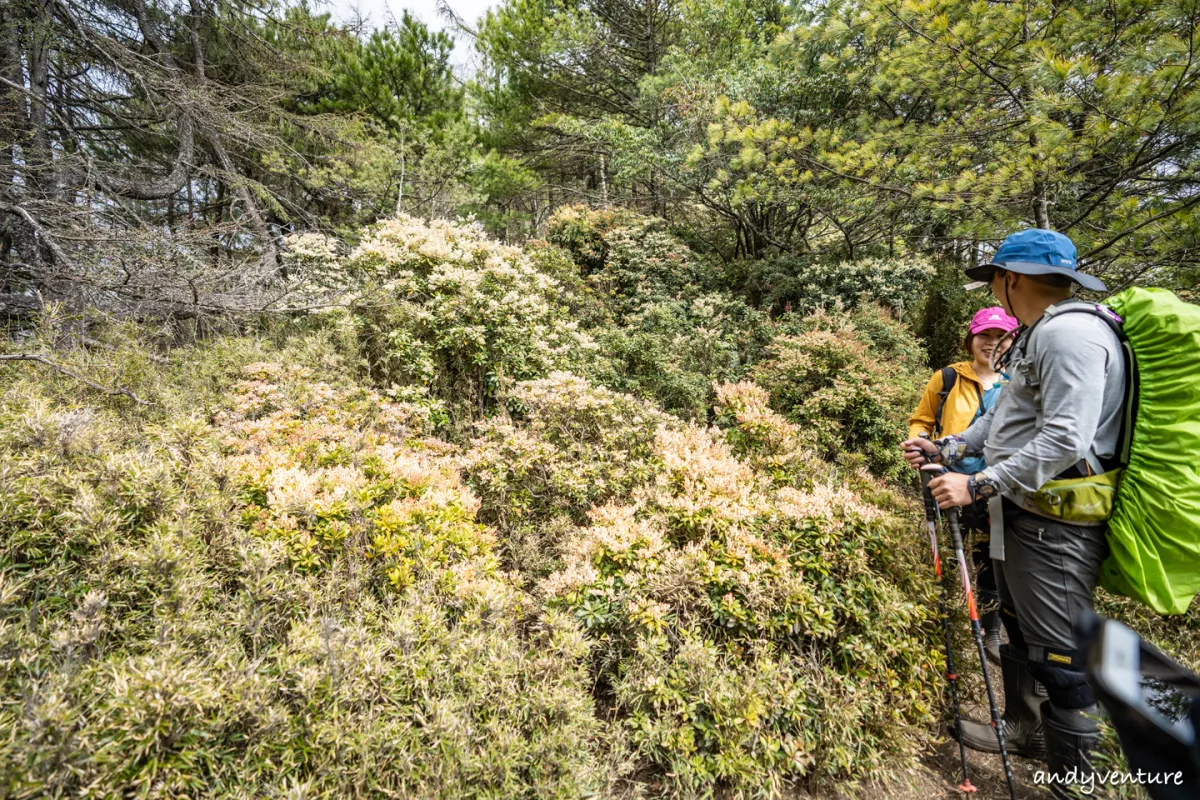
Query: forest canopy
156, 155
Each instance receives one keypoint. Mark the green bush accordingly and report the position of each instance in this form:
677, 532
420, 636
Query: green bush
805, 285
585, 304
878, 327
852, 379
581, 231
631, 260
671, 352
669, 335
567, 447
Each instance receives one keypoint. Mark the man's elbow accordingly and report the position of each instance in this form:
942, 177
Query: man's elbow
1068, 445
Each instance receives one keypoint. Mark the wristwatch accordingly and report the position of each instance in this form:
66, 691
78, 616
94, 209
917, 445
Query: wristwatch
981, 486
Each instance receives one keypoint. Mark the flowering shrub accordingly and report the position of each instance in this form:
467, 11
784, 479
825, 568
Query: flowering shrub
889, 340
853, 395
781, 449
320, 468
345, 631
672, 351
311, 263
581, 232
896, 283
442, 306
752, 622
749, 636
645, 263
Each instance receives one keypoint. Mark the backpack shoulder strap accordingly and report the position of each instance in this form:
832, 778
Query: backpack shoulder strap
949, 376
1095, 309
1115, 324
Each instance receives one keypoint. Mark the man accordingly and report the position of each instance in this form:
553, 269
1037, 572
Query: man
1059, 417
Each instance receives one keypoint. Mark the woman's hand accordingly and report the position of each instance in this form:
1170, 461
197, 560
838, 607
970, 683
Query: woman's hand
918, 451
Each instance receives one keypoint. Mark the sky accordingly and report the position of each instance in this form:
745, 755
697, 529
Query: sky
379, 13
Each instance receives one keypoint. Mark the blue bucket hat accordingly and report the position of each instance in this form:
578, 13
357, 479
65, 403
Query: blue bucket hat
1036, 252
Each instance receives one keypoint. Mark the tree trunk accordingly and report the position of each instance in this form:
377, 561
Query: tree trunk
40, 157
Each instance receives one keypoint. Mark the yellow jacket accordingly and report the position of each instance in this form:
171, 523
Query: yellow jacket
961, 403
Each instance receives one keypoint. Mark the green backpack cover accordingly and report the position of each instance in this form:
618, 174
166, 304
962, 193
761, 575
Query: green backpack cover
1154, 531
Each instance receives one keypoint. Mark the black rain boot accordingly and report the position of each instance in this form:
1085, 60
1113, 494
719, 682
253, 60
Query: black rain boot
990, 621
1022, 719
1071, 736
991, 643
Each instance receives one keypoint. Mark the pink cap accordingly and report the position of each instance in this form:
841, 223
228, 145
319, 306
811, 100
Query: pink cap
994, 317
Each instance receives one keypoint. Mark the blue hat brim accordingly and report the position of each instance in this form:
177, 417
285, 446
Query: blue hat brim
983, 272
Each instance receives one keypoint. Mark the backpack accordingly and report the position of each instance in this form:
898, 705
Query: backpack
1151, 493
973, 515
949, 377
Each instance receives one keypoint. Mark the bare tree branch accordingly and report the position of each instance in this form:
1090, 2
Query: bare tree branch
46, 361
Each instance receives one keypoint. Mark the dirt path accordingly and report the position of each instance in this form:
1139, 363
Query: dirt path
939, 774
940, 771
987, 772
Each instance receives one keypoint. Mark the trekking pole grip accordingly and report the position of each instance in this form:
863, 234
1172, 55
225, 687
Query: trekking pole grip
952, 513
954, 519
931, 509
956, 537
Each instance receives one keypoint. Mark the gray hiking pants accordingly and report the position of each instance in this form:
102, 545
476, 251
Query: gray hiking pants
1045, 582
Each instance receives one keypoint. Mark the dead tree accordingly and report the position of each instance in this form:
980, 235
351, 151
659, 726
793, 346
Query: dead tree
131, 139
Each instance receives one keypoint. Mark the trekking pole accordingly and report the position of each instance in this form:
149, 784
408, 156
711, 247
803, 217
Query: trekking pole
952, 517
931, 515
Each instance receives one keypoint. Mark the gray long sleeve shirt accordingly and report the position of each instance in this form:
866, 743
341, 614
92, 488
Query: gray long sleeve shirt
1064, 402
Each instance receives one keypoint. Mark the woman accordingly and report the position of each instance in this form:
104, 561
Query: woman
954, 397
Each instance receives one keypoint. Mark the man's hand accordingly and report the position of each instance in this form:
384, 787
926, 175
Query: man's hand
949, 490
916, 451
